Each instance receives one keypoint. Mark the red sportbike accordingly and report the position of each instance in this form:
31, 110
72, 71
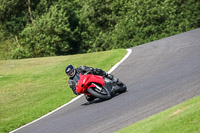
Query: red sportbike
98, 86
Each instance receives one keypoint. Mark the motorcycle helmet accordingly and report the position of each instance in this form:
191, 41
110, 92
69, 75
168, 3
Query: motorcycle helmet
70, 71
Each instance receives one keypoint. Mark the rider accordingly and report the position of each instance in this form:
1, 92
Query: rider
71, 71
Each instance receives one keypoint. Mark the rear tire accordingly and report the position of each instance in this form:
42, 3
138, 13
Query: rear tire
100, 95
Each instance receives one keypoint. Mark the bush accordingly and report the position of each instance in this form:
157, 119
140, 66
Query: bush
20, 53
51, 34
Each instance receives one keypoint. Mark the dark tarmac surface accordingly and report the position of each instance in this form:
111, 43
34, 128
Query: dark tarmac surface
158, 75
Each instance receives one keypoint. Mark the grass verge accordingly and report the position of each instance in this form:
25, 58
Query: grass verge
30, 88
183, 118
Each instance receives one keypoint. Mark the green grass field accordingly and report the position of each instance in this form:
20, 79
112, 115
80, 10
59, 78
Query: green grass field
30, 88
183, 118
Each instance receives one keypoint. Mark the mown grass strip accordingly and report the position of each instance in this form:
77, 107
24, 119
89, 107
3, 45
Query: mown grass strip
30, 88
183, 118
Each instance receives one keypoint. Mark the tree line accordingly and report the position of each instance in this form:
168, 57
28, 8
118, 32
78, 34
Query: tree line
38, 28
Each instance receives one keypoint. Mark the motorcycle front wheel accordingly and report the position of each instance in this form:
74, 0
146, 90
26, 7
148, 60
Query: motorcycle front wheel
104, 94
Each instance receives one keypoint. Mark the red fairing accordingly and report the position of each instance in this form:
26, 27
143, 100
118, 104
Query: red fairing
86, 80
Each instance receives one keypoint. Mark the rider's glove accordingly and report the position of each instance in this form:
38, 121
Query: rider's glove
91, 69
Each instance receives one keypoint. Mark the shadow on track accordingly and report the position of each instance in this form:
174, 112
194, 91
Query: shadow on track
93, 102
97, 100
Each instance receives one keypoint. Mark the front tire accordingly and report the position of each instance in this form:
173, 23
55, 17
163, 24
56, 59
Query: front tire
104, 96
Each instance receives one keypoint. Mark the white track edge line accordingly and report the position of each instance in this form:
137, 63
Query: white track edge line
76, 98
123, 59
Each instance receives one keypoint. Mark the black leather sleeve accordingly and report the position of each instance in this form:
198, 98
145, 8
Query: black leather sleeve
100, 72
97, 71
72, 85
85, 69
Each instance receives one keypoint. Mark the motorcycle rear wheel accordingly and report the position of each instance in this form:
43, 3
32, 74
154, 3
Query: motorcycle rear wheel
97, 94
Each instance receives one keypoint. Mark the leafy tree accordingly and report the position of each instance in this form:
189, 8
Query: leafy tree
51, 34
13, 16
97, 20
57, 27
151, 20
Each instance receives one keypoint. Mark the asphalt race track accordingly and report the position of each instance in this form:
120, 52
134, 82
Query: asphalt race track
158, 75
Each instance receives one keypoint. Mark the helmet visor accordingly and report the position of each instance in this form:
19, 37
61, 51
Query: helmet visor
71, 73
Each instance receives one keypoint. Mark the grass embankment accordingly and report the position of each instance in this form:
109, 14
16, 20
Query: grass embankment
30, 88
183, 118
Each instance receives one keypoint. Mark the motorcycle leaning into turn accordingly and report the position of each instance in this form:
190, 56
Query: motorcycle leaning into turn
95, 86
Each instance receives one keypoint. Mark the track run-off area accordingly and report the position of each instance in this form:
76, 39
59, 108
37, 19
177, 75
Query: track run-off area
158, 75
